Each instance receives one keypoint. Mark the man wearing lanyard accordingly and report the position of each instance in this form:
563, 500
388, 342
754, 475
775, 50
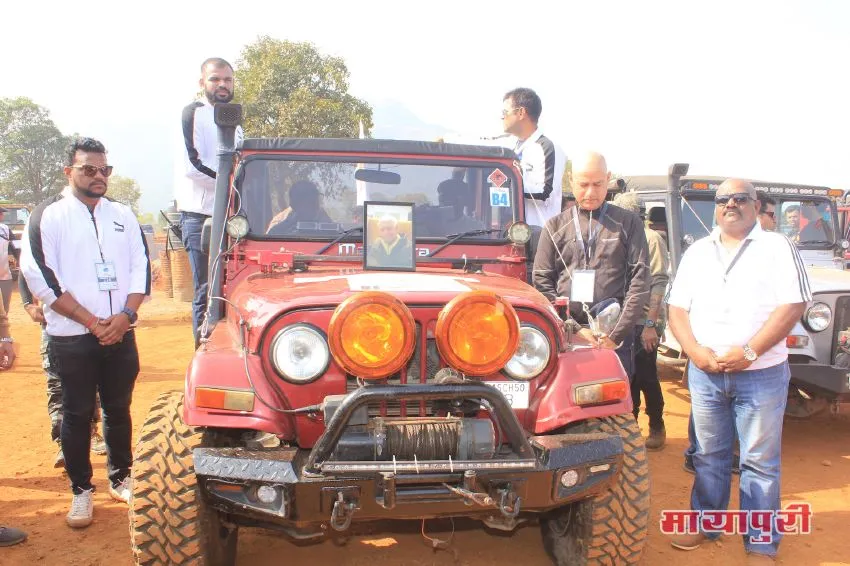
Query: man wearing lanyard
736, 296
595, 253
85, 258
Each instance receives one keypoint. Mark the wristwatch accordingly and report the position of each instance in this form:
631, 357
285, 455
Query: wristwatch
649, 323
131, 314
7, 339
750, 354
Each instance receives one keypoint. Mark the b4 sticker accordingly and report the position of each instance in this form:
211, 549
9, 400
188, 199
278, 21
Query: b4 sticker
499, 197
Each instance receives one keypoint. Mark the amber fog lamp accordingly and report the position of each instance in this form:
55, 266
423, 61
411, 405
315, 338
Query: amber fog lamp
477, 333
372, 335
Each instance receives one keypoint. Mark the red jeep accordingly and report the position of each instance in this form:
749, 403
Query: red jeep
328, 392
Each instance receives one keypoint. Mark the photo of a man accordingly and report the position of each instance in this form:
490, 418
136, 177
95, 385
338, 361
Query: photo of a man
388, 233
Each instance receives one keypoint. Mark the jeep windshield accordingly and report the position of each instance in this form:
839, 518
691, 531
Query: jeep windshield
809, 222
290, 199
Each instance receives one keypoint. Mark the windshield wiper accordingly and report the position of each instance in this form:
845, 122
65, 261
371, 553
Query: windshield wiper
340, 237
818, 242
455, 237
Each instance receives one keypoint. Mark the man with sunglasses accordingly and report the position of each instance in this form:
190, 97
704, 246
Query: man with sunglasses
85, 258
196, 174
767, 212
736, 296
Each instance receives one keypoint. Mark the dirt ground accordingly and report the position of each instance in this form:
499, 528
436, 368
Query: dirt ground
35, 496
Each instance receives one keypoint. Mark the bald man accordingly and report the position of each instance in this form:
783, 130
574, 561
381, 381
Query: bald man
594, 252
737, 294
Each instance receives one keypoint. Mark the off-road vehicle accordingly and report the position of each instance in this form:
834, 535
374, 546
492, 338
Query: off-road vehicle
327, 393
819, 343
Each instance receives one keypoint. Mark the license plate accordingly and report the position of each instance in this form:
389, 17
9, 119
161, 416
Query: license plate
516, 392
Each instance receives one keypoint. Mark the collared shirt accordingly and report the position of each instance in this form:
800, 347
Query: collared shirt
543, 165
618, 255
61, 247
389, 247
198, 160
729, 295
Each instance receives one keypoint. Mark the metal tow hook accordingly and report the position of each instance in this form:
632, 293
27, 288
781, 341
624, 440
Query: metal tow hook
342, 513
510, 512
471, 497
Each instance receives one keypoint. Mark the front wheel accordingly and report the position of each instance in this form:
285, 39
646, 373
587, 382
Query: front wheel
610, 528
170, 522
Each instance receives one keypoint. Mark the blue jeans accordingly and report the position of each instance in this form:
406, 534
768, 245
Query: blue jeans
753, 403
191, 224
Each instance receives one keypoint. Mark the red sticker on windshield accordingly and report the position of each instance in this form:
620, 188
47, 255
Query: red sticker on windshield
497, 178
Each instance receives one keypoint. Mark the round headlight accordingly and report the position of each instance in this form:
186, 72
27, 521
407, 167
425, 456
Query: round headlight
531, 355
300, 353
519, 233
818, 317
844, 244
477, 333
372, 335
237, 227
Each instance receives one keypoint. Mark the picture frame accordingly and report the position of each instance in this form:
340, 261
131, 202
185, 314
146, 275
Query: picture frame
389, 244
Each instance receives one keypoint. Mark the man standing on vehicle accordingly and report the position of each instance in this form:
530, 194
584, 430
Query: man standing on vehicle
85, 258
647, 333
594, 252
541, 160
197, 167
736, 296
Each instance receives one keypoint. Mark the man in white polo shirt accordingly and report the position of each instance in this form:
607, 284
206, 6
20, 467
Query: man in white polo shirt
736, 296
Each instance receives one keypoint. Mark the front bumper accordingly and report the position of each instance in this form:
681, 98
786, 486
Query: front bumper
300, 490
826, 380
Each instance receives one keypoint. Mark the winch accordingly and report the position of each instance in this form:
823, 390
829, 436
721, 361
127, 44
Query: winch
421, 438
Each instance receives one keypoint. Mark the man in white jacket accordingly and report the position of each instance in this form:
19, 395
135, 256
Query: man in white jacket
196, 175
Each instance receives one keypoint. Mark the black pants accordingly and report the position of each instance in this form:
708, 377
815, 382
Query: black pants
645, 379
86, 368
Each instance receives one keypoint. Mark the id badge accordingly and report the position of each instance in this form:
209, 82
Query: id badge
584, 281
107, 278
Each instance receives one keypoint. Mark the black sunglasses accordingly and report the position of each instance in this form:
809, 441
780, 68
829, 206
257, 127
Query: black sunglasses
91, 170
739, 198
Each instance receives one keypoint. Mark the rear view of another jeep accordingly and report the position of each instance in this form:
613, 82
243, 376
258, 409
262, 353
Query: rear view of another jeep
331, 390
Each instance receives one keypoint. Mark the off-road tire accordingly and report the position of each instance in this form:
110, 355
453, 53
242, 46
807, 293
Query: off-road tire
612, 527
170, 522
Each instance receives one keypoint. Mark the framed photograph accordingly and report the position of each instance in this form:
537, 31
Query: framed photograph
388, 236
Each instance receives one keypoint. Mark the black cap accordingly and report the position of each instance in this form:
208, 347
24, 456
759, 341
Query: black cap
657, 214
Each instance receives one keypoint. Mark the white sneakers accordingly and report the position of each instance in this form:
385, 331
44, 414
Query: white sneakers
82, 509
122, 491
82, 506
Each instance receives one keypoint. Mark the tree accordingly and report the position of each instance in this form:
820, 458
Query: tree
31, 152
289, 89
126, 191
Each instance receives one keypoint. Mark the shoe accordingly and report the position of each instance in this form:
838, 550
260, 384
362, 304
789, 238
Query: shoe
122, 491
82, 509
98, 445
688, 466
59, 461
10, 536
656, 439
756, 558
688, 542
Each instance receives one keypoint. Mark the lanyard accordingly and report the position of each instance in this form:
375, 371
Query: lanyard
734, 259
591, 233
97, 235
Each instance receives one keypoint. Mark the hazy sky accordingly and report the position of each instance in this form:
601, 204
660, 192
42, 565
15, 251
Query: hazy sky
741, 88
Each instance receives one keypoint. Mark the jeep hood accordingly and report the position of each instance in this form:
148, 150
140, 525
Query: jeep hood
826, 280
260, 298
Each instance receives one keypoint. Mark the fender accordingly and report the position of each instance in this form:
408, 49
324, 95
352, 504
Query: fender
553, 405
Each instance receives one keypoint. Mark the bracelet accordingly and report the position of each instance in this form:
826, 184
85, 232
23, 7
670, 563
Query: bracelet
91, 323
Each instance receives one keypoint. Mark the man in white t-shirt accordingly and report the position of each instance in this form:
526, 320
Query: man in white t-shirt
736, 296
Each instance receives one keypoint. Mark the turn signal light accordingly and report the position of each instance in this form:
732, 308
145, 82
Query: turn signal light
599, 393
795, 341
477, 333
227, 399
372, 335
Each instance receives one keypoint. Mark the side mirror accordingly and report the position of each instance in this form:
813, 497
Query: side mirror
206, 234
